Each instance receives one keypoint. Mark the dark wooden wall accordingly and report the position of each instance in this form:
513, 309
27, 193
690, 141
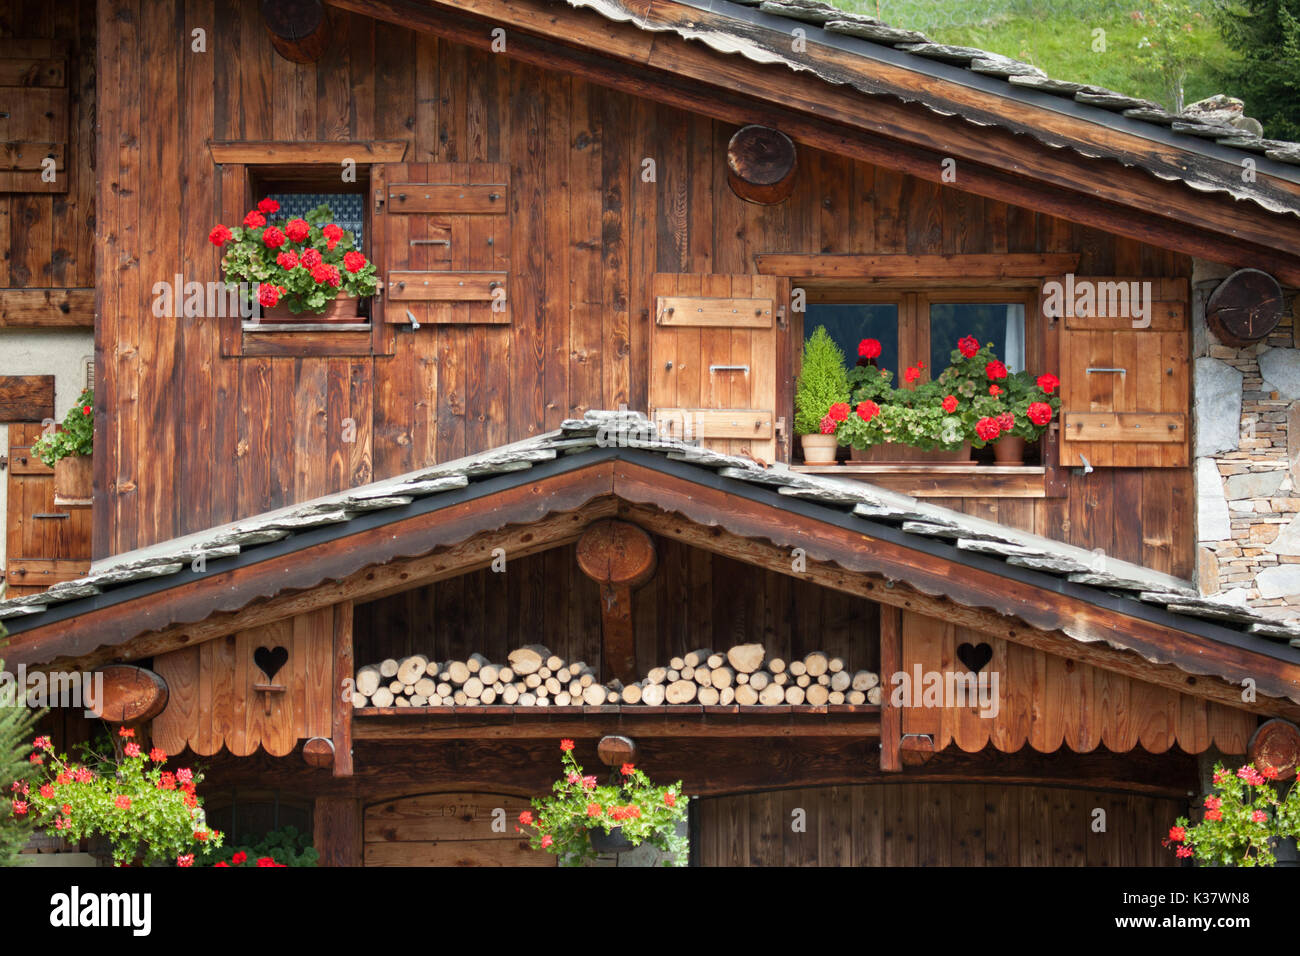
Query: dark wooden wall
935, 824
47, 239
192, 440
695, 599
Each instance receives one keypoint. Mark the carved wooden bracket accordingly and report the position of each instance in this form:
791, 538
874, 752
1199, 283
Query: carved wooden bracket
619, 557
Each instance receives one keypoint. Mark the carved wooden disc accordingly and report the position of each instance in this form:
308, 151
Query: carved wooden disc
617, 553
1276, 744
132, 694
1245, 307
319, 752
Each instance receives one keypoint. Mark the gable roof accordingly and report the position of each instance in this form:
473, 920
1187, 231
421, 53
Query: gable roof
1050, 585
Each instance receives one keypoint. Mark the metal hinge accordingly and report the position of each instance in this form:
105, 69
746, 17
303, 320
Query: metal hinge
379, 200
4, 462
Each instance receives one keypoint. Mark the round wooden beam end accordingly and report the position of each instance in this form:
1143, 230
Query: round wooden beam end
130, 695
1276, 744
616, 553
1245, 307
319, 752
300, 29
761, 165
616, 751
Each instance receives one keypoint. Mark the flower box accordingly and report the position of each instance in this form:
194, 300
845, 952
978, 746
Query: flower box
344, 309
893, 452
74, 479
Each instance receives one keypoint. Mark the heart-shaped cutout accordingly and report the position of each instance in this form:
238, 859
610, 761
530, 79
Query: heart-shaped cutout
270, 660
974, 656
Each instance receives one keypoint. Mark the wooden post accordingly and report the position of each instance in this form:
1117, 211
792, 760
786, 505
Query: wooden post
619, 557
337, 831
300, 29
891, 717
341, 703
761, 165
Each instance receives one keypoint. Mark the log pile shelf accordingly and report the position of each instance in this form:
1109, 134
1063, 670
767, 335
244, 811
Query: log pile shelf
737, 692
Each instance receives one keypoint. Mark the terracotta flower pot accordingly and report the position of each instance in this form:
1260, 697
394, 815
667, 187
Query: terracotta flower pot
819, 449
74, 478
907, 454
1009, 450
611, 842
345, 308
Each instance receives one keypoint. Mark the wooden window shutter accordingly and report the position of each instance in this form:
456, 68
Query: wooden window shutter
45, 543
442, 244
34, 118
717, 346
1124, 387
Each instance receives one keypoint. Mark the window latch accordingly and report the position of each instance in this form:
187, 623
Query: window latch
414, 323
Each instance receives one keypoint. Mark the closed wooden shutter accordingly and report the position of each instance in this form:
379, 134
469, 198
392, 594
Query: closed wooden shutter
715, 348
1124, 382
44, 543
34, 115
442, 242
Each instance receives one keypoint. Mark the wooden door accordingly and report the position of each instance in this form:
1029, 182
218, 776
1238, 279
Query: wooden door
715, 367
1124, 378
45, 544
450, 829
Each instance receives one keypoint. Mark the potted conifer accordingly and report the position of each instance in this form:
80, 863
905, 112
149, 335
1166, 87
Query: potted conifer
821, 398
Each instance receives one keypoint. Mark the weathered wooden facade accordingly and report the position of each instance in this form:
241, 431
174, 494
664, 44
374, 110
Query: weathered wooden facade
578, 161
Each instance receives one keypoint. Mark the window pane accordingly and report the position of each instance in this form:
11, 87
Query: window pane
347, 208
1002, 323
850, 324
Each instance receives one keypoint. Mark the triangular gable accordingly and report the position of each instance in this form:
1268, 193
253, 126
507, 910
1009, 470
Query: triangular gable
440, 522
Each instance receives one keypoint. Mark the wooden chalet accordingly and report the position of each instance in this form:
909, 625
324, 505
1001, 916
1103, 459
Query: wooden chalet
428, 479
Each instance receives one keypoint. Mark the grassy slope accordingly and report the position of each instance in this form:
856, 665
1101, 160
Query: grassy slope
1057, 36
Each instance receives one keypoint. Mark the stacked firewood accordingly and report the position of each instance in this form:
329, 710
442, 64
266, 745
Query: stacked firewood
534, 677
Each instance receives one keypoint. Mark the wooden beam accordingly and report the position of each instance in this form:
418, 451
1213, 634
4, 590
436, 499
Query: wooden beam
541, 722
358, 567
892, 574
619, 557
26, 398
47, 308
891, 662
256, 153
956, 266
706, 766
889, 130
341, 705
337, 831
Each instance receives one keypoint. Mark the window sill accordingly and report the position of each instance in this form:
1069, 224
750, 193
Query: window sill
262, 327
943, 480
315, 339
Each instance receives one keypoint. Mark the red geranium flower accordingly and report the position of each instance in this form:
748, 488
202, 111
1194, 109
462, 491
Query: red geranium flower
827, 425
125, 732
1048, 383
1214, 814
968, 346
254, 220
627, 769
1270, 773
122, 802
566, 744
47, 791
20, 807
1177, 834
268, 295
995, 370
287, 260
185, 775
593, 809
226, 865
268, 205
526, 818
297, 229
869, 348
239, 858
42, 743
839, 411
36, 758
868, 410
85, 409
950, 404
546, 840
82, 775
273, 238
311, 258
1006, 422
1040, 413
167, 781
219, 236
200, 835
987, 429
1213, 803
589, 783
1259, 816
354, 261
132, 750
995, 390
332, 234
1183, 851
911, 375
670, 799
158, 755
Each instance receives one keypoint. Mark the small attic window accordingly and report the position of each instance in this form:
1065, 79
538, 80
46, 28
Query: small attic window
348, 209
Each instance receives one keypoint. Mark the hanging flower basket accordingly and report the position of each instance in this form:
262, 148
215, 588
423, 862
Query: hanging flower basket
612, 842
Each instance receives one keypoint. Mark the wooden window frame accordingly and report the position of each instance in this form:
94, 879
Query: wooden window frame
243, 170
914, 299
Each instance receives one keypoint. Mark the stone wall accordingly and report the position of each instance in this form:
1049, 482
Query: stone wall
1246, 407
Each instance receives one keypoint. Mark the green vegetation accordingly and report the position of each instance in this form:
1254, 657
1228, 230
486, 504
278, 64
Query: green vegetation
822, 382
1147, 43
16, 724
1267, 76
